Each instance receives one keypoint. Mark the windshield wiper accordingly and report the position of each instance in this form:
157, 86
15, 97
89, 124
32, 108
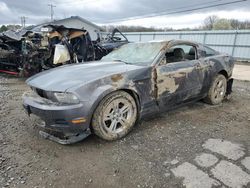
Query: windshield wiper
118, 60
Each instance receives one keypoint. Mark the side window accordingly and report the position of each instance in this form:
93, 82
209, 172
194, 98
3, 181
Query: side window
208, 51
181, 53
163, 61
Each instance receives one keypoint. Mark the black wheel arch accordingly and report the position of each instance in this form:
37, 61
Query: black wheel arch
136, 97
224, 73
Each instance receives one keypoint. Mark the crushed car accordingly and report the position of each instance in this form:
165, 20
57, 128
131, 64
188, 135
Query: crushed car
76, 41
78, 44
109, 96
113, 40
21, 52
27, 52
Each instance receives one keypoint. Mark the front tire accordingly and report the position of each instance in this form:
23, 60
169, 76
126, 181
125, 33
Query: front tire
115, 116
217, 90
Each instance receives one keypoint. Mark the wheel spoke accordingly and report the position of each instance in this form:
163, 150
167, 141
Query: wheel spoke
123, 122
124, 109
220, 84
221, 93
216, 92
108, 117
221, 90
113, 125
115, 106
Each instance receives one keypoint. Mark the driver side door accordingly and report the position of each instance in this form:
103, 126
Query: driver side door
178, 79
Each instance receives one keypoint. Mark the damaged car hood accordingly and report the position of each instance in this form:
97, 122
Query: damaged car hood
65, 77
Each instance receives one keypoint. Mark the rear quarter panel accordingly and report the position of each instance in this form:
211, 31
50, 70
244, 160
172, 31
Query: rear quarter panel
218, 62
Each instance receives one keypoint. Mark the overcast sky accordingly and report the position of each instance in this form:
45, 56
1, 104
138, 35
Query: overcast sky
102, 11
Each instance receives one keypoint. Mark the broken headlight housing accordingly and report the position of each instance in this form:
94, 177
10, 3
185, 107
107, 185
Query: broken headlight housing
66, 98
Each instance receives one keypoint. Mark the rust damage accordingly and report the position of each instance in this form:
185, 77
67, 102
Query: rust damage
116, 77
118, 81
154, 90
169, 81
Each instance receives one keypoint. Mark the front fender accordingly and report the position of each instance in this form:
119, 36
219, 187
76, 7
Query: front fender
92, 96
103, 91
98, 95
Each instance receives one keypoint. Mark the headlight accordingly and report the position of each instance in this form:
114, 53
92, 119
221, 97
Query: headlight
67, 98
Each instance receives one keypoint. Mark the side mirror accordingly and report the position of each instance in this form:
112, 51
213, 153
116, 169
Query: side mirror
61, 54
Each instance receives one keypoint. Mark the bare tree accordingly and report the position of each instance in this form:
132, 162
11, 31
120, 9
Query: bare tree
244, 25
209, 22
235, 23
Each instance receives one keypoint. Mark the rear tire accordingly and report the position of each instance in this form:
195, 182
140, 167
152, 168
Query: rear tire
115, 116
217, 90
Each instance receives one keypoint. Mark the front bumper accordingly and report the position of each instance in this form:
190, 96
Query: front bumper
57, 117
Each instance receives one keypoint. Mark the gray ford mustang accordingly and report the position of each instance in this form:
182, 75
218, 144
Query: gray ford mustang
107, 97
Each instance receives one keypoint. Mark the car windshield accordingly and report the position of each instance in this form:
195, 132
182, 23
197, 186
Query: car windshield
136, 53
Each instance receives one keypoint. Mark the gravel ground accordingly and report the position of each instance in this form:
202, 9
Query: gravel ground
147, 157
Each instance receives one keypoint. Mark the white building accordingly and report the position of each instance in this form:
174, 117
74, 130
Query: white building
75, 22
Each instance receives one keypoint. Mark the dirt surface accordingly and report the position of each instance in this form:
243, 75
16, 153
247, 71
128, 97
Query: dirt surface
145, 158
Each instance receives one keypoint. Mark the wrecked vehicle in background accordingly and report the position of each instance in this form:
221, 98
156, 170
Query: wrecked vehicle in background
76, 41
22, 52
110, 95
105, 45
79, 45
27, 52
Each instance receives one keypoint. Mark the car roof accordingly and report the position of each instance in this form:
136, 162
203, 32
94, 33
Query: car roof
173, 41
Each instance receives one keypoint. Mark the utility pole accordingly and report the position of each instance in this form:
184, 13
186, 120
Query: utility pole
51, 11
23, 20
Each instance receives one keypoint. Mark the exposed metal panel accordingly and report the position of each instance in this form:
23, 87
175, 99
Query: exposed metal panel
196, 37
171, 37
220, 39
145, 38
223, 49
161, 37
133, 38
243, 39
242, 53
